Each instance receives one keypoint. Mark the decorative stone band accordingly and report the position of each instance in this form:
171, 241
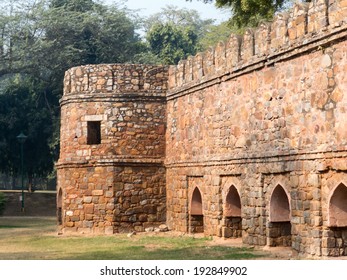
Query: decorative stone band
116, 78
119, 161
111, 97
323, 160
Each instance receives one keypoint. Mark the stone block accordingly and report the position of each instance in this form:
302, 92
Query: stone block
109, 230
328, 242
87, 199
97, 192
89, 209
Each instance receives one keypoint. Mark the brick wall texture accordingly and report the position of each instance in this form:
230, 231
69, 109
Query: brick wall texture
248, 139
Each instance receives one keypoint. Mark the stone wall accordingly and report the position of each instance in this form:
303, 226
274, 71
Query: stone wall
253, 134
118, 182
265, 113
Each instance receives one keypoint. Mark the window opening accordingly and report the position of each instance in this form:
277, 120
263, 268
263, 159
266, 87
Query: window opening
93, 132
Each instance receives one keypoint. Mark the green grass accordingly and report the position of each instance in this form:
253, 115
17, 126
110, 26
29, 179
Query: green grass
36, 238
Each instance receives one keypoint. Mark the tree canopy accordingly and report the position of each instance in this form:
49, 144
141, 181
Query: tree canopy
248, 13
39, 41
171, 42
174, 34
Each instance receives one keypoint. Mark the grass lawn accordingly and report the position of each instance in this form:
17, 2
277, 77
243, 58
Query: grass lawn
28, 238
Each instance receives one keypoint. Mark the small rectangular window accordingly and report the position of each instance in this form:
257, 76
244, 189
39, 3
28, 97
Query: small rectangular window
93, 132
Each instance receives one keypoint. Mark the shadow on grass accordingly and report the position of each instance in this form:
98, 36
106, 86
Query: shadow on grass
10, 226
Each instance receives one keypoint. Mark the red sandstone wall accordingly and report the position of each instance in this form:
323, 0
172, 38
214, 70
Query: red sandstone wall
263, 110
290, 106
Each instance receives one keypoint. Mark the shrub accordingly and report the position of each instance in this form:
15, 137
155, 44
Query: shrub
2, 203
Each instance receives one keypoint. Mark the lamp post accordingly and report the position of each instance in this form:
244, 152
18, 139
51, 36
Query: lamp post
21, 139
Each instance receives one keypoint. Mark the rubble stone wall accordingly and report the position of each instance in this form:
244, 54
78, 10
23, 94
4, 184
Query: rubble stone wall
246, 139
118, 184
265, 113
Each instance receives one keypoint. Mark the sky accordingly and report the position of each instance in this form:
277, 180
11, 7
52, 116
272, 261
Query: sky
149, 7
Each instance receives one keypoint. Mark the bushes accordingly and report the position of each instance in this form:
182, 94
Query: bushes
2, 203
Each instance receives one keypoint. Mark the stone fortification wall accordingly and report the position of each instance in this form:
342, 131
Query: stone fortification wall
253, 134
256, 134
299, 30
110, 171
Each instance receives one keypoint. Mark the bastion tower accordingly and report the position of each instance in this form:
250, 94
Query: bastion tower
110, 172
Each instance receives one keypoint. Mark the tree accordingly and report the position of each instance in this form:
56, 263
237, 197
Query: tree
22, 109
215, 33
74, 5
174, 34
39, 41
248, 13
171, 43
184, 18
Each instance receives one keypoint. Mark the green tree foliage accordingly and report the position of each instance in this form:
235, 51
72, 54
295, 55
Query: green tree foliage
184, 18
22, 108
171, 43
174, 34
248, 13
214, 34
39, 41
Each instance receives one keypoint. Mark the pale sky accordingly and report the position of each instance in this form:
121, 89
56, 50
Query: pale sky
149, 7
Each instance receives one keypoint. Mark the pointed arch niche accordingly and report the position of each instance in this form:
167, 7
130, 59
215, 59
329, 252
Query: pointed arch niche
279, 205
196, 218
338, 207
279, 228
232, 214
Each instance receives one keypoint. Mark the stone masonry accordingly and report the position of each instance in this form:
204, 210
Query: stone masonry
248, 139
114, 181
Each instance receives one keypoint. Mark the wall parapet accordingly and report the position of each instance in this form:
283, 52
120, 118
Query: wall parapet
116, 79
307, 24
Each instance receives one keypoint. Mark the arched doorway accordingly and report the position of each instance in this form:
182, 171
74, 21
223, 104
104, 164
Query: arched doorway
59, 207
232, 214
279, 229
196, 212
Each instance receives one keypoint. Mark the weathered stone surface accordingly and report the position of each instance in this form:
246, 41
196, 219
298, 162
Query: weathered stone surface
252, 132
260, 128
119, 182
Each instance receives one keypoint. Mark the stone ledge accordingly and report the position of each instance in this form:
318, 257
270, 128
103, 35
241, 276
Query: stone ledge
111, 162
266, 159
111, 97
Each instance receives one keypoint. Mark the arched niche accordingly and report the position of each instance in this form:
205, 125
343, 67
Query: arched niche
196, 218
196, 203
338, 207
232, 203
279, 205
232, 214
